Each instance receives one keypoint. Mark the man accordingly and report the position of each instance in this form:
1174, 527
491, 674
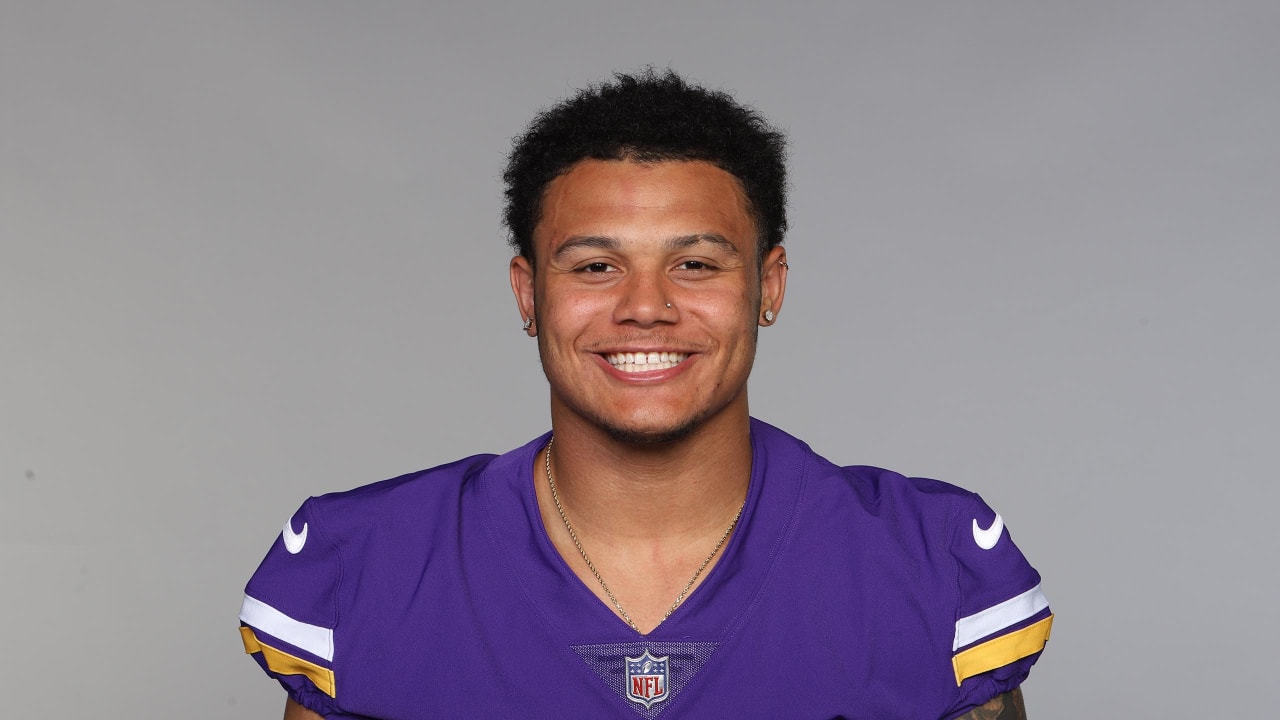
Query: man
659, 552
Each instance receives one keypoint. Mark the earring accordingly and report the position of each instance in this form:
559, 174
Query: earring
768, 316
784, 264
528, 323
668, 306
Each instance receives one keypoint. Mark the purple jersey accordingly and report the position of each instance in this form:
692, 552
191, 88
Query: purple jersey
844, 593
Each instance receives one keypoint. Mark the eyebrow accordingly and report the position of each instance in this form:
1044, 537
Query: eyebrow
680, 242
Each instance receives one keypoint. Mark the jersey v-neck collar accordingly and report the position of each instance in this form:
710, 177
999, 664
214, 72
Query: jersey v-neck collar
710, 614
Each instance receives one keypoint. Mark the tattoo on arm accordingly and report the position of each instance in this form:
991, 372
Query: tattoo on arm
1003, 707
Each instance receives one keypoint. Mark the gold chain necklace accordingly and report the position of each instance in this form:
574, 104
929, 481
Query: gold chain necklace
555, 497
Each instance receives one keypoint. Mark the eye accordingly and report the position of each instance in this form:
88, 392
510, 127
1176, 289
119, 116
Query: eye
596, 267
695, 267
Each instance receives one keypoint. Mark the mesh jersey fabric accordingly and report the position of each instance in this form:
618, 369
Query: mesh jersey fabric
845, 592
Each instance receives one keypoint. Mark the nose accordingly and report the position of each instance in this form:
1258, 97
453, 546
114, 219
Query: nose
645, 300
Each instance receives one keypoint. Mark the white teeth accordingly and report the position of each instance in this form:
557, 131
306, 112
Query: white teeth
645, 362
646, 367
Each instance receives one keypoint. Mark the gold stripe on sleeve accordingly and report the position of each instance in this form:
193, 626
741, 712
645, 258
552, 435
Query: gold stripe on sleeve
1002, 650
286, 664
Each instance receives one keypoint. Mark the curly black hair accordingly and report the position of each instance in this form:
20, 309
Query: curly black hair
648, 117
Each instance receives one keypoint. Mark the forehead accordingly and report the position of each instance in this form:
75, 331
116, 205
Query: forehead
631, 200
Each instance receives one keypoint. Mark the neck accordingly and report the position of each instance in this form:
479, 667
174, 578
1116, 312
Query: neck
652, 517
672, 491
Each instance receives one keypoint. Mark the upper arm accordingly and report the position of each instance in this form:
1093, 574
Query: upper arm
1008, 706
1002, 618
294, 711
289, 616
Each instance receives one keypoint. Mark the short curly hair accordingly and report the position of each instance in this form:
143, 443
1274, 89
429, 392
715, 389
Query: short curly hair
648, 117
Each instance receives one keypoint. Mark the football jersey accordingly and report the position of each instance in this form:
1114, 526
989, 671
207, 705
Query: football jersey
845, 592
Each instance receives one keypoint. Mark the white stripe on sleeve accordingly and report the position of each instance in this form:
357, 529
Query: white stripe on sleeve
312, 638
998, 617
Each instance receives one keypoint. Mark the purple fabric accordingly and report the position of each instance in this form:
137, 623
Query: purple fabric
836, 597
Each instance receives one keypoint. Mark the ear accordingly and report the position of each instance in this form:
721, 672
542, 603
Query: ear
773, 283
522, 286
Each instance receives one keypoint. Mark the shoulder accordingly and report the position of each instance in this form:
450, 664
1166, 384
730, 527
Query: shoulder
875, 495
340, 552
307, 559
399, 503
330, 534
939, 549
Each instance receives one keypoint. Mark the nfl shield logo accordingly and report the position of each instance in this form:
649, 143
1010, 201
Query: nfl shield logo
648, 679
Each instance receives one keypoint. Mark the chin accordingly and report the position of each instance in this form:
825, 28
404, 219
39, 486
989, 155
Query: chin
659, 435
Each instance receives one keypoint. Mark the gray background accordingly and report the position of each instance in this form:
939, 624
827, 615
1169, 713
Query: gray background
250, 252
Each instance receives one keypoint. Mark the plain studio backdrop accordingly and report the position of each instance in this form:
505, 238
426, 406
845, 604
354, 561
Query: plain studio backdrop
251, 252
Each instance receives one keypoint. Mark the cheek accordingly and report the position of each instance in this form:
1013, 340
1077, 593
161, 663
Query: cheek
728, 309
580, 310
585, 304
571, 315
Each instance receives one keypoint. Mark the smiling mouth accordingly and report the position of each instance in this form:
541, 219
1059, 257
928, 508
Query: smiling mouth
645, 362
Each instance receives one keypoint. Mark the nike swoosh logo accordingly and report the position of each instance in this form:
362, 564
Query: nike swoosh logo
986, 539
293, 542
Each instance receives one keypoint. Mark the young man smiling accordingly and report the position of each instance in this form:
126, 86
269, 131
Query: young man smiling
659, 552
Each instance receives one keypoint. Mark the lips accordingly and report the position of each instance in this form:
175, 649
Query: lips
638, 362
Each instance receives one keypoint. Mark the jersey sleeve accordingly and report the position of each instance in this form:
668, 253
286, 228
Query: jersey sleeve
290, 613
1002, 618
